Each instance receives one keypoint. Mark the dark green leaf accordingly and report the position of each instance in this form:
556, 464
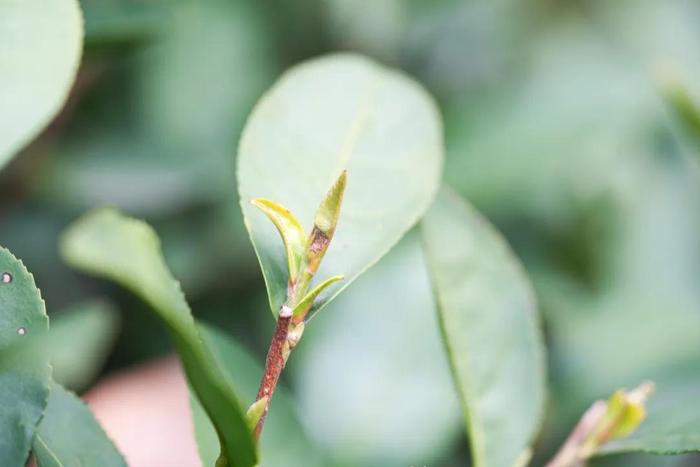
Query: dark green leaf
490, 329
24, 377
69, 435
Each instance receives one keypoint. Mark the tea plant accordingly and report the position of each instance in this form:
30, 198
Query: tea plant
338, 162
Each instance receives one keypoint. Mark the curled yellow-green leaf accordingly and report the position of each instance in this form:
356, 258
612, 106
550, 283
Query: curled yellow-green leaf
290, 230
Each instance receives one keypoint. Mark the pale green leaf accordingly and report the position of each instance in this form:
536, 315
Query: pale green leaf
290, 229
69, 435
392, 401
40, 48
305, 303
329, 114
126, 250
24, 377
283, 442
490, 329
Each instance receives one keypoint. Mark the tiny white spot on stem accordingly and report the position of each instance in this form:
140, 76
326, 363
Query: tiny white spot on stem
285, 312
21, 331
6, 277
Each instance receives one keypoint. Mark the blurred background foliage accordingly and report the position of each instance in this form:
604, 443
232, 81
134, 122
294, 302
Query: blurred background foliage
556, 128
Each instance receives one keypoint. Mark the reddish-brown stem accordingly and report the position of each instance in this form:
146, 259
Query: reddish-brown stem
570, 452
274, 364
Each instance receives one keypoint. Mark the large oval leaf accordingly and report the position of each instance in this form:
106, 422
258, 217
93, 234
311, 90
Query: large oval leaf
126, 250
329, 114
40, 47
490, 328
83, 444
24, 375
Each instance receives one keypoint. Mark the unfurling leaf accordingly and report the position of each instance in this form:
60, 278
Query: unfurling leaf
302, 308
325, 223
603, 422
624, 413
255, 411
290, 229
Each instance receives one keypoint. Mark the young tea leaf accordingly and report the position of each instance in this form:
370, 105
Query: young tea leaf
335, 113
24, 376
490, 329
69, 435
40, 47
126, 250
672, 424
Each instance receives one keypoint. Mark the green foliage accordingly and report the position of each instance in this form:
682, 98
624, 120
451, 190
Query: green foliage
38, 69
24, 375
490, 328
357, 116
127, 250
672, 425
69, 435
283, 442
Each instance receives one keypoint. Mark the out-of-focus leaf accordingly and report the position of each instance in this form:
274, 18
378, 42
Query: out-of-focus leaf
24, 378
490, 328
391, 400
329, 114
672, 425
79, 341
126, 250
69, 435
197, 84
283, 442
110, 21
684, 107
39, 56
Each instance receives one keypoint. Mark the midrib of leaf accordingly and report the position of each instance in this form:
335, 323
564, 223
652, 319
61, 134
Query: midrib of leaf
359, 124
473, 420
468, 408
48, 449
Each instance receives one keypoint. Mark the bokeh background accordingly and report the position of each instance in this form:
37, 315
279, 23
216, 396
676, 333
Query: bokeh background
556, 128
